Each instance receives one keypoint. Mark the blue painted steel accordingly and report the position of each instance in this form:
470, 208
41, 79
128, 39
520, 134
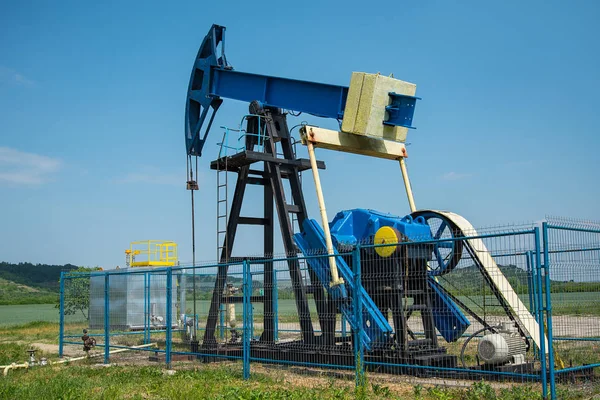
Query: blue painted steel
61, 324
579, 368
572, 229
548, 310
124, 333
320, 99
114, 346
146, 308
352, 227
198, 103
275, 307
207, 355
251, 319
147, 319
307, 364
448, 318
376, 329
577, 339
438, 368
247, 288
106, 319
357, 305
531, 289
212, 79
401, 110
538, 263
169, 318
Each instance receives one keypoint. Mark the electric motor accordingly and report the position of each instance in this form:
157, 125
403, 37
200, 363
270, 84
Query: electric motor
500, 348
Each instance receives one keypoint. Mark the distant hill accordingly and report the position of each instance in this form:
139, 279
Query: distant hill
40, 276
468, 280
15, 293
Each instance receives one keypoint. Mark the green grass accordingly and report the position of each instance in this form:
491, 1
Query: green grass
86, 380
74, 382
15, 293
16, 352
22, 314
225, 382
585, 303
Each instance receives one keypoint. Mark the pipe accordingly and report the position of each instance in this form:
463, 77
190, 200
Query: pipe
409, 193
335, 279
26, 364
14, 366
99, 354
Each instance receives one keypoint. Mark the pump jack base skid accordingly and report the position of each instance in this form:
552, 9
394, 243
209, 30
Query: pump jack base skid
296, 353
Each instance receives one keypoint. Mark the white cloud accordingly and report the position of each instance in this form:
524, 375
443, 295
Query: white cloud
454, 176
19, 167
12, 76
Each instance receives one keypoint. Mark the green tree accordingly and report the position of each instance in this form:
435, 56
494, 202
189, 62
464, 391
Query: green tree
77, 292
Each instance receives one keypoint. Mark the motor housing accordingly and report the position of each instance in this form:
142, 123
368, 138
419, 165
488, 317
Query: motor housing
506, 346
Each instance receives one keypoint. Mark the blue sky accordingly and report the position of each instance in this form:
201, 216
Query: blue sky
92, 101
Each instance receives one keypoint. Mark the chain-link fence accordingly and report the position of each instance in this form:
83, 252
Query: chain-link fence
517, 304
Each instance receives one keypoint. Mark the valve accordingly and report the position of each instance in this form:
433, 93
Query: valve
88, 342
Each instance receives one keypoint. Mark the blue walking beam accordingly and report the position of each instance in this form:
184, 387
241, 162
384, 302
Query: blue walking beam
213, 79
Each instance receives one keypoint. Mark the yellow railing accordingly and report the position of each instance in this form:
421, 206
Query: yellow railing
152, 253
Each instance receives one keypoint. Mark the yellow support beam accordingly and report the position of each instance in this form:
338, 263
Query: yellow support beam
351, 143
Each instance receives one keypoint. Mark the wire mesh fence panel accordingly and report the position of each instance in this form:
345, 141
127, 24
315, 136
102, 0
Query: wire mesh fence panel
573, 256
453, 299
80, 312
207, 314
297, 317
455, 303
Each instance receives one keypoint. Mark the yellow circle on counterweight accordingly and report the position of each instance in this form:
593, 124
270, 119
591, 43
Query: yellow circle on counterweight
386, 235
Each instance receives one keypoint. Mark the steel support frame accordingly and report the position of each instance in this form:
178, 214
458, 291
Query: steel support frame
274, 123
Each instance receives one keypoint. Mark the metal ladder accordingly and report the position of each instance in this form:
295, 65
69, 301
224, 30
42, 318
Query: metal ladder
296, 228
222, 202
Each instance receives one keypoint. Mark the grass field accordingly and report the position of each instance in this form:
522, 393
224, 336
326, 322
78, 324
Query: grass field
585, 303
133, 377
24, 313
223, 382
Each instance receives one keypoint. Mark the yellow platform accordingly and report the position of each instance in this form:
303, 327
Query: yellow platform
152, 253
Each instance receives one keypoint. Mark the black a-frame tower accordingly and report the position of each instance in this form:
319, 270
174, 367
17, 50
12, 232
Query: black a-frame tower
268, 141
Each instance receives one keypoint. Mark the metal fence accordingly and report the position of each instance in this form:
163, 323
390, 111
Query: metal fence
429, 308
